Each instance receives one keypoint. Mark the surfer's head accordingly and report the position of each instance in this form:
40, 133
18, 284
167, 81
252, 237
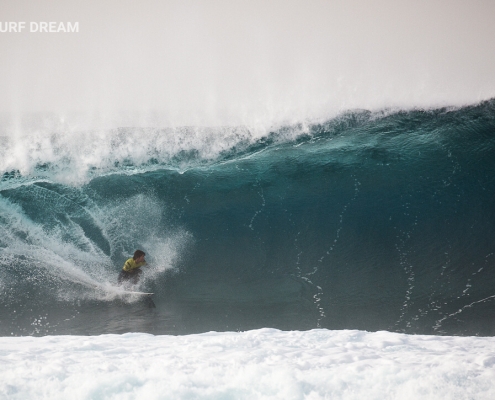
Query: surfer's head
138, 254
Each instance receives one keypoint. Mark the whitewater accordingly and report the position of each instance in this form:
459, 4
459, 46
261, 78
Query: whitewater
262, 364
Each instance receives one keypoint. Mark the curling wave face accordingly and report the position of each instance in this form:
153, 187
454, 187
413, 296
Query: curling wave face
366, 221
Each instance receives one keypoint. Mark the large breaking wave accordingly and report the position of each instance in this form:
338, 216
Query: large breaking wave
365, 221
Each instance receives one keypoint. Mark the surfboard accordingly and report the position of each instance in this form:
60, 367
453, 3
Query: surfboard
145, 295
130, 292
118, 290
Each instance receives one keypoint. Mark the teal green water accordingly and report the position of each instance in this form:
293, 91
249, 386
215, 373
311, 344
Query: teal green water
372, 222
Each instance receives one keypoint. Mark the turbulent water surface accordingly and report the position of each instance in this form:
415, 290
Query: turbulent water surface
371, 221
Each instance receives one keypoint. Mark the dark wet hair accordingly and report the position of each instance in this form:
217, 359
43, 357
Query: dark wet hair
138, 253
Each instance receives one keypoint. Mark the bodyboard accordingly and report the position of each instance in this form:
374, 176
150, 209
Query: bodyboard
130, 292
120, 291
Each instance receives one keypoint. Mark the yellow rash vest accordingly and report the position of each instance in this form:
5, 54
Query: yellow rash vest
131, 265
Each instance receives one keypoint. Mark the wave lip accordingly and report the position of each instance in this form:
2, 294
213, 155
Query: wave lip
71, 156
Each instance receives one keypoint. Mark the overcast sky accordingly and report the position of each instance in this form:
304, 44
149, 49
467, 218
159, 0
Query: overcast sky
218, 62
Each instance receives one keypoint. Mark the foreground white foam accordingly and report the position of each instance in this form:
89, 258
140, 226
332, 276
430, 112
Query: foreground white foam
265, 363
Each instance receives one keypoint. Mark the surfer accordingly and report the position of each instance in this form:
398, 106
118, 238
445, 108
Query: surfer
132, 268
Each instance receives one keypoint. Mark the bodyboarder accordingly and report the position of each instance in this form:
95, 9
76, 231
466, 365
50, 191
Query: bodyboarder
132, 268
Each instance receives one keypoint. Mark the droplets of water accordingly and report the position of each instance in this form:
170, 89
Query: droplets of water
263, 203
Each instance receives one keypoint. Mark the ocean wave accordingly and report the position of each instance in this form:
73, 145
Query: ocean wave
74, 157
366, 221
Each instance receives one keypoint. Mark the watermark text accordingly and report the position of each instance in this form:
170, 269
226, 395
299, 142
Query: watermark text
39, 27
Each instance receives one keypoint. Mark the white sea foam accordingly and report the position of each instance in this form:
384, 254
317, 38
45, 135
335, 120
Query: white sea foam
69, 155
259, 364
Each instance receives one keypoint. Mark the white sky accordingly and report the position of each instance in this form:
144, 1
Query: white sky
217, 62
